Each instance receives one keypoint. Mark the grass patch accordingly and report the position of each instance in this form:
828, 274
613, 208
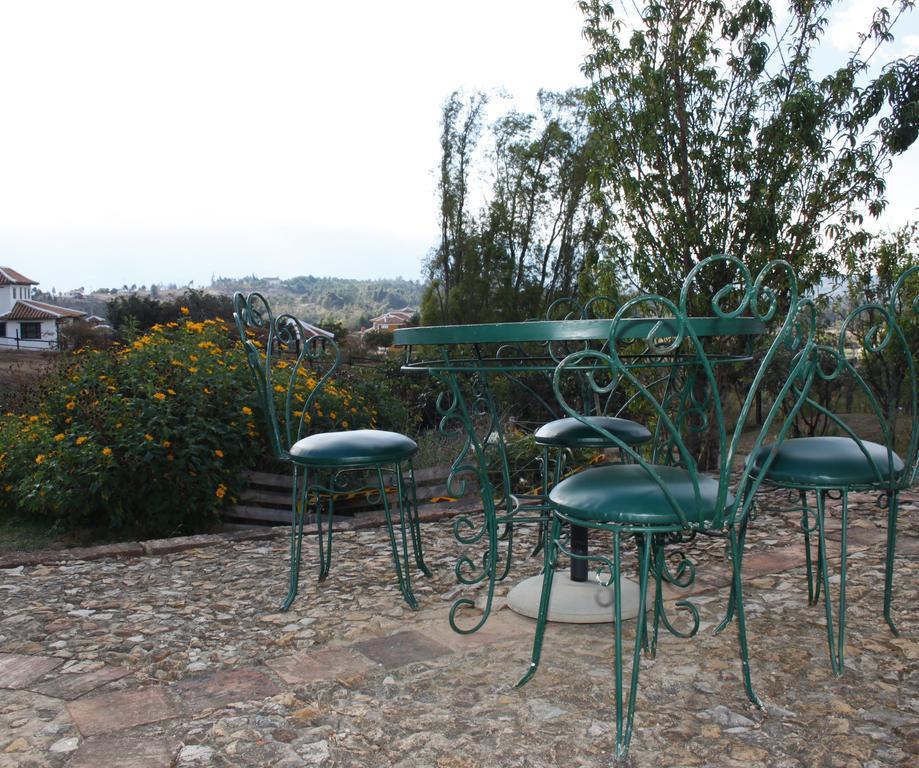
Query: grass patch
437, 450
18, 534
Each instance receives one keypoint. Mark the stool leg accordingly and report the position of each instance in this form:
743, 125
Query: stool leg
625, 719
543, 616
415, 522
402, 573
299, 502
892, 504
543, 531
835, 640
729, 614
657, 565
736, 542
325, 541
813, 585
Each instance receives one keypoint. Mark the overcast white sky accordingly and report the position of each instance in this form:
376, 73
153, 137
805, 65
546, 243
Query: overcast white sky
166, 141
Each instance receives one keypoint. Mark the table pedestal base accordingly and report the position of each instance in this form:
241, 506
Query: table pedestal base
574, 602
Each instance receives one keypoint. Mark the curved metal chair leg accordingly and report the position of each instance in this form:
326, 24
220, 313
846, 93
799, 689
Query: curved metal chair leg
543, 530
835, 639
736, 541
414, 520
402, 569
892, 509
543, 616
298, 510
625, 719
813, 585
325, 540
657, 564
729, 612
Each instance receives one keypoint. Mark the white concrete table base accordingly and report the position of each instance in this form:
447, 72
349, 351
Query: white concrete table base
574, 602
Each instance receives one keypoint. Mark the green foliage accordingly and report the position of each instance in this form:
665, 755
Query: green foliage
335, 328
321, 300
874, 272
79, 334
704, 130
148, 437
374, 339
143, 312
716, 136
875, 267
403, 402
19, 534
536, 233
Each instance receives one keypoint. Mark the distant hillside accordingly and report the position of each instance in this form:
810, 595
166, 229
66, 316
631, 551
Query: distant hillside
316, 299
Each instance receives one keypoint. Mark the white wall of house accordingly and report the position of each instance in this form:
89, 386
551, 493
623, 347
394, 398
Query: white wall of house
13, 333
10, 294
13, 336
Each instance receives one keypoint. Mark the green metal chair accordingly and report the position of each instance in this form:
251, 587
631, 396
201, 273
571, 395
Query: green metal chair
663, 496
290, 373
883, 373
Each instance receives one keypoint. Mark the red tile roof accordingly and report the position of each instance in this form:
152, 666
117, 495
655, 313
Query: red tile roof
400, 315
12, 277
26, 309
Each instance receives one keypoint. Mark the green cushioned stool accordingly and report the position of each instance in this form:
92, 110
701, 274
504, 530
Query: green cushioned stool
571, 434
574, 433
355, 448
588, 431
295, 366
629, 494
830, 462
825, 465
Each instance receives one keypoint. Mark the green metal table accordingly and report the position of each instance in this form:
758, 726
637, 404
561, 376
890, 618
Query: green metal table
475, 364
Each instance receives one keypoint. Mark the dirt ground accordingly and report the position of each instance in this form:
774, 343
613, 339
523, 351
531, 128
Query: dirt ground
19, 368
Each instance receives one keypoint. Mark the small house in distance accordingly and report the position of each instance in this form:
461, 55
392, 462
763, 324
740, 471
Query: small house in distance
395, 318
310, 330
28, 324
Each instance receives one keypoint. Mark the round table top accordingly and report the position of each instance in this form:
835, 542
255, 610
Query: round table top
510, 358
570, 330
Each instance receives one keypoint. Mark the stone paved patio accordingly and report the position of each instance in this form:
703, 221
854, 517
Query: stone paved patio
179, 658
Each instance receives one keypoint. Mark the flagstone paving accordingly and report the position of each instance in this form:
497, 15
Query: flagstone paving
179, 657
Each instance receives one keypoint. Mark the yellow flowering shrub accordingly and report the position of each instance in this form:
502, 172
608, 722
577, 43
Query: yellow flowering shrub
136, 436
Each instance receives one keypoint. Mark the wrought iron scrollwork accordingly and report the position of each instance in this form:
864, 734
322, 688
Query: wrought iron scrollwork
606, 564
681, 575
291, 362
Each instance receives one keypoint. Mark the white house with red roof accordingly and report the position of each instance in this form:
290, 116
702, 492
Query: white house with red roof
395, 318
28, 324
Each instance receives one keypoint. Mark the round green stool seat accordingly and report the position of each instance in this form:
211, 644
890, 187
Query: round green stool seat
829, 462
573, 433
354, 448
627, 494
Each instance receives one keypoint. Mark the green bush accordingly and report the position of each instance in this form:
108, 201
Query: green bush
144, 312
403, 401
153, 436
148, 436
375, 339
